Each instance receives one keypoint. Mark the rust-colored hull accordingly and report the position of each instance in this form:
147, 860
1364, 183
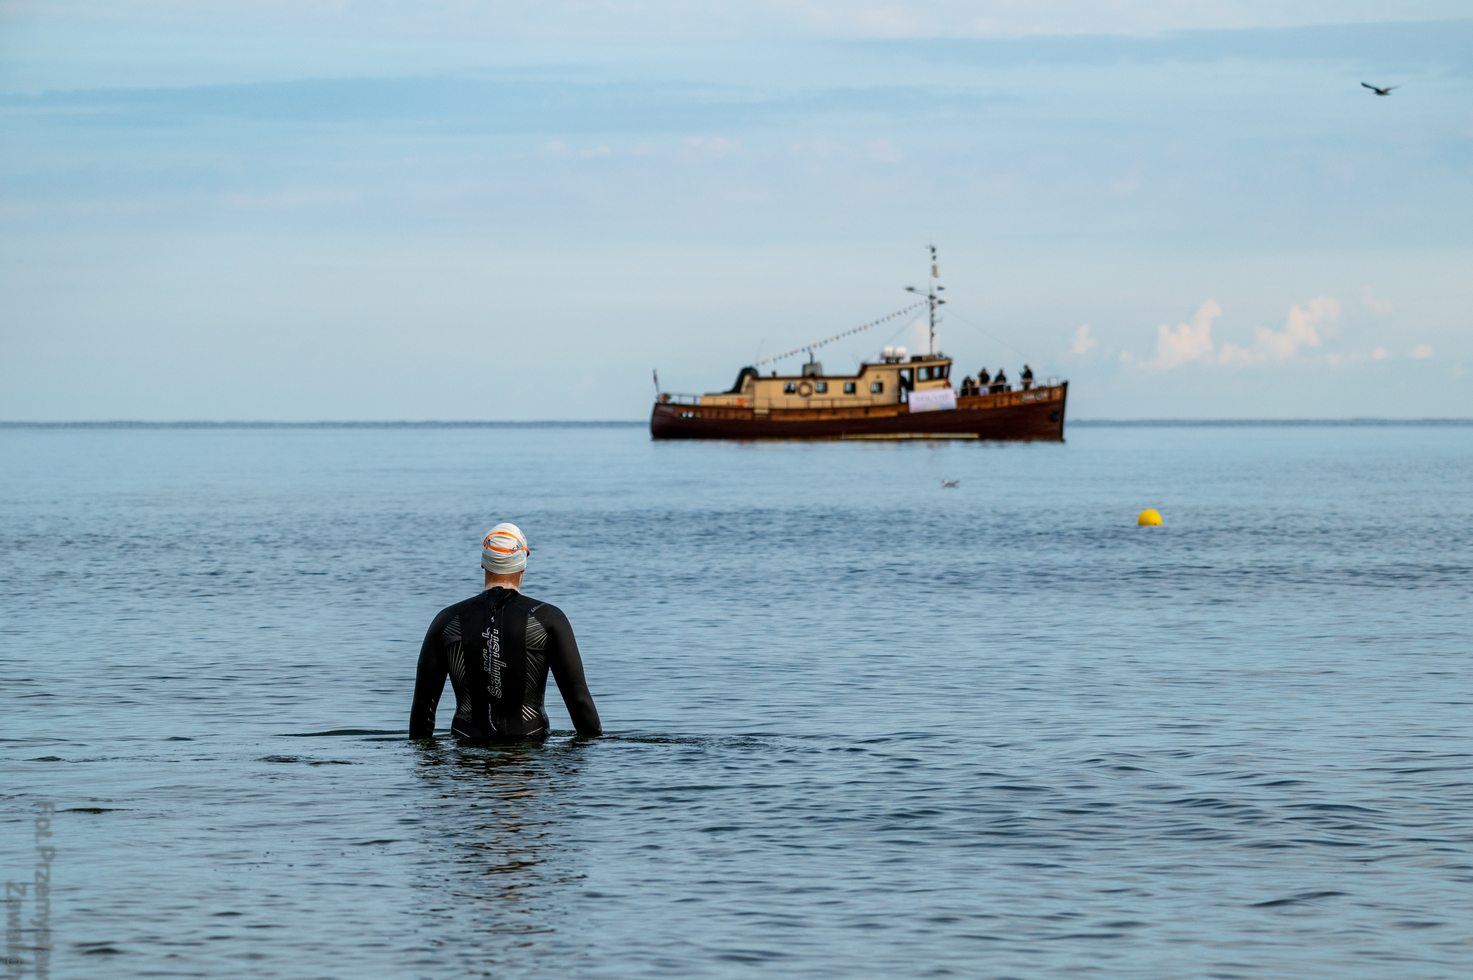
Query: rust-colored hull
1036, 415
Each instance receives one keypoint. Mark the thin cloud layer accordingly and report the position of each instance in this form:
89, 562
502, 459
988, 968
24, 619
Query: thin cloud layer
436, 19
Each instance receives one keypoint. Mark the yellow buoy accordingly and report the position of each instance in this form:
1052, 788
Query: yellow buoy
1150, 517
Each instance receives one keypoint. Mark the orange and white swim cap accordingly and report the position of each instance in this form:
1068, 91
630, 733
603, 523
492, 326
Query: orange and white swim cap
504, 550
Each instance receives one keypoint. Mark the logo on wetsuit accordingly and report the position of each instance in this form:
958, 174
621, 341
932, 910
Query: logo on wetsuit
491, 658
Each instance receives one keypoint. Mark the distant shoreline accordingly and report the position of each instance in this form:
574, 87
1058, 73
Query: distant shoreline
583, 424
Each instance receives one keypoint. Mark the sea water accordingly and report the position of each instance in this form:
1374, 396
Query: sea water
858, 723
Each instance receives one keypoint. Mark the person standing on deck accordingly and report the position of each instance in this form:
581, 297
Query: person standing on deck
497, 649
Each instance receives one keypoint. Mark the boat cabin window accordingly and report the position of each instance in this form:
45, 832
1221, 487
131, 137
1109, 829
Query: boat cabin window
822, 387
925, 374
877, 387
849, 387
790, 387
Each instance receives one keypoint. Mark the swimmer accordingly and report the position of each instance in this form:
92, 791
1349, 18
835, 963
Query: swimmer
497, 649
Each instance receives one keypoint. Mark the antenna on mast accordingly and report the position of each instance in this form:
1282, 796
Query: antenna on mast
933, 298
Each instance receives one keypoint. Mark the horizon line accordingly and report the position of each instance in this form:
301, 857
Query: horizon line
626, 423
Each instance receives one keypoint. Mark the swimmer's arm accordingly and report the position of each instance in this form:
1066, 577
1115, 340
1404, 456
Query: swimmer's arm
567, 670
429, 681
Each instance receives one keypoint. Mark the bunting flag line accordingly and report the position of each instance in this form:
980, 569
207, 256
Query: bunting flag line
839, 336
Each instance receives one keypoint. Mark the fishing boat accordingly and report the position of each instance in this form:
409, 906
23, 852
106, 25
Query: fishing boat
899, 396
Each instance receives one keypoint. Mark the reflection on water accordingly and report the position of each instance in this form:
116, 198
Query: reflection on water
496, 856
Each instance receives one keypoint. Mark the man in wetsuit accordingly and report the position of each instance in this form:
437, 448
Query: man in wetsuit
497, 649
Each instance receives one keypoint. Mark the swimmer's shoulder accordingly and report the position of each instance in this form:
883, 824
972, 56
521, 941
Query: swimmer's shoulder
447, 620
546, 612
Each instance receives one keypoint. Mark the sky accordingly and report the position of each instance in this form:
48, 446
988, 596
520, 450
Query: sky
456, 210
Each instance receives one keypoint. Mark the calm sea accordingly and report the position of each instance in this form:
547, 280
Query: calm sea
859, 724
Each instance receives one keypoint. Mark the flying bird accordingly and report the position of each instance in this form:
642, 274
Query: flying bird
1378, 89
951, 484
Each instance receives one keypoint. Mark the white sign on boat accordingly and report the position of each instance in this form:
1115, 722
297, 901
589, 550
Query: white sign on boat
931, 401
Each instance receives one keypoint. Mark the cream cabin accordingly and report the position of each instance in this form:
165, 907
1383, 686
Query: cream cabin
888, 382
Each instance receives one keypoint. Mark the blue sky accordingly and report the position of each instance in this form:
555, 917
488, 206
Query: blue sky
462, 211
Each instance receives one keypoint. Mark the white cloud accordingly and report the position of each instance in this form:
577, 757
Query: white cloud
1305, 329
823, 150
1084, 340
1357, 357
883, 151
561, 148
291, 198
816, 148
708, 147
1420, 352
1302, 330
1375, 304
1186, 342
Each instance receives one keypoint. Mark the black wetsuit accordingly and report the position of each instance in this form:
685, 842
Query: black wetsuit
497, 648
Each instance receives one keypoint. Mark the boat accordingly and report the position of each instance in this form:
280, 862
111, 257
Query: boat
899, 396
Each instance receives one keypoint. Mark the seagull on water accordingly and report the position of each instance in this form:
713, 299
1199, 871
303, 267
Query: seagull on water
1378, 89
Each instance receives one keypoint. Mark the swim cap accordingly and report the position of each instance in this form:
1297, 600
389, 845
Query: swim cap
504, 550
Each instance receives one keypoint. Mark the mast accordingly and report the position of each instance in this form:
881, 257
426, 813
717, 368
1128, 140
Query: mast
933, 298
